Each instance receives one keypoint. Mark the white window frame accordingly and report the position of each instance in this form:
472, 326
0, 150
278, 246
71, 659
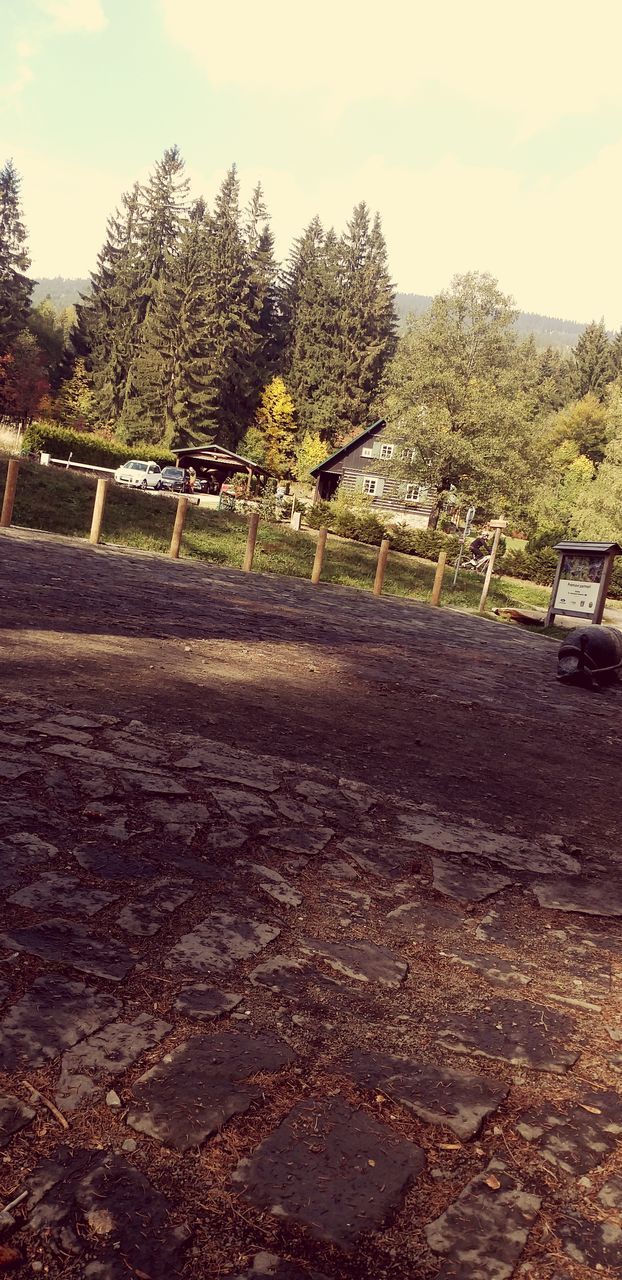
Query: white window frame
367, 483
367, 453
417, 492
387, 451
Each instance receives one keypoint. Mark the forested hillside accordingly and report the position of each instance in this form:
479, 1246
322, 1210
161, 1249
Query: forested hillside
546, 330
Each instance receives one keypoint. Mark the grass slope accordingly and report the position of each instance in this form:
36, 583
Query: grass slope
62, 502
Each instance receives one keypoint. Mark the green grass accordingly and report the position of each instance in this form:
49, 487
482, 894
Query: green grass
62, 502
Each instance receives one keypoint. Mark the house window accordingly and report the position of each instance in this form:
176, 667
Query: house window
370, 485
367, 453
416, 492
387, 450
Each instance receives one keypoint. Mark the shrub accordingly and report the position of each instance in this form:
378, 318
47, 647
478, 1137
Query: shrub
536, 566
364, 525
86, 447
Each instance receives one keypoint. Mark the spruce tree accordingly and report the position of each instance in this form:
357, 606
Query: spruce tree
229, 326
593, 360
108, 321
15, 288
312, 304
161, 209
266, 326
368, 319
183, 335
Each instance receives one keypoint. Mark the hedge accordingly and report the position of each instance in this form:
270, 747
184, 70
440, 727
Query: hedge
368, 527
96, 451
539, 566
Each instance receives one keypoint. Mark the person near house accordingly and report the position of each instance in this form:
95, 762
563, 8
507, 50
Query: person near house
192, 475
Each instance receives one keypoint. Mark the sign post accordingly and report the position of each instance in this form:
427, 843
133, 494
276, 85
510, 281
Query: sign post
497, 525
582, 580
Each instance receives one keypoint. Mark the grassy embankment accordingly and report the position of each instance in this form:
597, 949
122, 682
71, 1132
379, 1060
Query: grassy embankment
62, 502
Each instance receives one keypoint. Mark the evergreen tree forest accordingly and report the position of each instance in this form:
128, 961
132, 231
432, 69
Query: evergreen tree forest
191, 331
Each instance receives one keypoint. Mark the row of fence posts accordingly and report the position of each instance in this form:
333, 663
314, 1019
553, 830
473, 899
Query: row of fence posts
99, 507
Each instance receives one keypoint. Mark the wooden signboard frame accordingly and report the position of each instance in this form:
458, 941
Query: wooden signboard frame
593, 589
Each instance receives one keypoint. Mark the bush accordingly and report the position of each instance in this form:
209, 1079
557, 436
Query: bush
535, 566
96, 451
363, 525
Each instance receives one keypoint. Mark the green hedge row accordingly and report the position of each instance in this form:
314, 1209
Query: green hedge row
368, 527
97, 451
539, 566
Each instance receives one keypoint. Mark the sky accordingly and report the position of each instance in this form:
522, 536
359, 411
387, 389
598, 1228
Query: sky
488, 135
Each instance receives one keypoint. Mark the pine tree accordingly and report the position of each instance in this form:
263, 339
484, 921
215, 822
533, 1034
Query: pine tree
368, 320
312, 303
593, 359
108, 321
266, 326
161, 209
616, 354
183, 336
230, 333
15, 288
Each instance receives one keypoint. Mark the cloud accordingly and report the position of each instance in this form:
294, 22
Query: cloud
74, 15
536, 62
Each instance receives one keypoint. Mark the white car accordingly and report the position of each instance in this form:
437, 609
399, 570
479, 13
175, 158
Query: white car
141, 475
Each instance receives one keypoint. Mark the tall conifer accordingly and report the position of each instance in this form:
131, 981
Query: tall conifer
15, 288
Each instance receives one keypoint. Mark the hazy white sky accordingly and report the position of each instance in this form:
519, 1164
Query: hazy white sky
488, 136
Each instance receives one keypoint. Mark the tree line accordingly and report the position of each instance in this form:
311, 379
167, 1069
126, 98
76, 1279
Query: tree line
192, 331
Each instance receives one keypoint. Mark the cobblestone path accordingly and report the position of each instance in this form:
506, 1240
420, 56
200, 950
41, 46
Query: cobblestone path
259, 1019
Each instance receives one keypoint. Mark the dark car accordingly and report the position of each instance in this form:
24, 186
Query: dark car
173, 478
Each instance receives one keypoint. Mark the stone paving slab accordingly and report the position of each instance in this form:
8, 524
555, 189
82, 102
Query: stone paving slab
203, 1002
580, 1136
496, 969
599, 898
108, 1052
485, 1230
64, 942
519, 1032
145, 915
53, 892
196, 1088
97, 1203
331, 1168
14, 1115
51, 1017
220, 941
438, 1095
466, 883
593, 1244
363, 961
275, 1268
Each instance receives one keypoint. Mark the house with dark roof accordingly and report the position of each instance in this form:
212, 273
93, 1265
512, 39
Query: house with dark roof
354, 468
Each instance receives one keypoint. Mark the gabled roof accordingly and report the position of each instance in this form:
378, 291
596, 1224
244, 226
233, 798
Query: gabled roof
588, 547
217, 453
345, 448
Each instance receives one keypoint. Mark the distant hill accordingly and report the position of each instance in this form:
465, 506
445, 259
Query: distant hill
63, 292
548, 331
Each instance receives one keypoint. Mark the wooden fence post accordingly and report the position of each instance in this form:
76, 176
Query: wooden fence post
383, 556
178, 527
10, 486
101, 494
435, 598
316, 571
250, 542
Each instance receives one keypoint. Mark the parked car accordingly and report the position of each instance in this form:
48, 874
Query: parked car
173, 478
141, 475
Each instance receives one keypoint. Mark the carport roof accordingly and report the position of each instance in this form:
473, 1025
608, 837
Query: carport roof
216, 453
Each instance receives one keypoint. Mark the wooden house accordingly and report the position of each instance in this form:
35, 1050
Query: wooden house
354, 469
